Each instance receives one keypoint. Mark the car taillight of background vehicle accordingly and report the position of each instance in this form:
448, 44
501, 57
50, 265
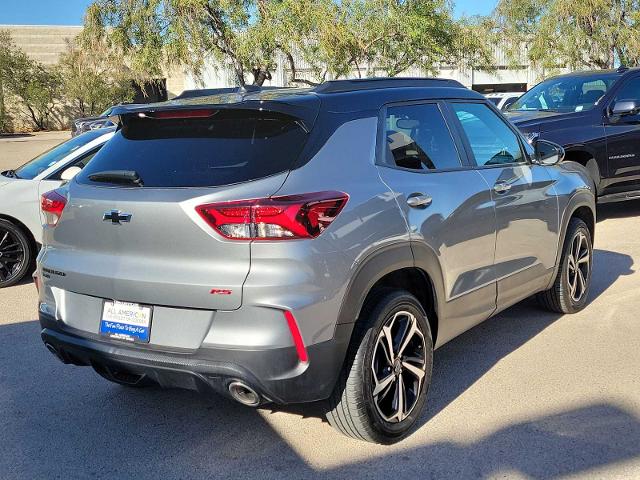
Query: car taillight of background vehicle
278, 218
52, 204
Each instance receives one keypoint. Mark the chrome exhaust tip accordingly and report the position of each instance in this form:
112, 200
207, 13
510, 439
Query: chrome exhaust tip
244, 394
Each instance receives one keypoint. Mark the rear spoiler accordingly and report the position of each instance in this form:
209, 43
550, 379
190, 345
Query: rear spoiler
303, 108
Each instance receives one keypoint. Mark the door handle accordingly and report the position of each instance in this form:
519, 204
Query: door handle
419, 200
501, 187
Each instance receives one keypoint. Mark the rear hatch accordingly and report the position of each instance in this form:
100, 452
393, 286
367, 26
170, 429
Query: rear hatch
130, 230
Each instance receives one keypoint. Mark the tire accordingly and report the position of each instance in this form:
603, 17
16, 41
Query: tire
570, 289
17, 254
352, 408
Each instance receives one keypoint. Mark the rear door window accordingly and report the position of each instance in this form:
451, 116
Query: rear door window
201, 148
418, 138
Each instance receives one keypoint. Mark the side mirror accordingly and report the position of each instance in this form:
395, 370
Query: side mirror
69, 173
548, 153
625, 107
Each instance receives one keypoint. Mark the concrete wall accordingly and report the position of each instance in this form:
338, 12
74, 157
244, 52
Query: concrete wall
42, 43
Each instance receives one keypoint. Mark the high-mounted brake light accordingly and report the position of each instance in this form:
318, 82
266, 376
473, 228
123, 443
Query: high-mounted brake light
52, 204
277, 218
179, 114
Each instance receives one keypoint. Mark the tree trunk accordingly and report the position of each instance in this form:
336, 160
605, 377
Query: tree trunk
3, 112
260, 75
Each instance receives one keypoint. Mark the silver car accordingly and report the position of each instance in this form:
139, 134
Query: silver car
303, 245
20, 191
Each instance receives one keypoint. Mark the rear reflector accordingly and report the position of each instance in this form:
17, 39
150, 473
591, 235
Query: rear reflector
301, 350
36, 280
52, 204
277, 218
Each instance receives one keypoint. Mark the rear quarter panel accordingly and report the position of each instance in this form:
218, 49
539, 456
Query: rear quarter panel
311, 276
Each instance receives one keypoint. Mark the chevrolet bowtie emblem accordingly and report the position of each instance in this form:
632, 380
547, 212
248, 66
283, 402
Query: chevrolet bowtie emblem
116, 217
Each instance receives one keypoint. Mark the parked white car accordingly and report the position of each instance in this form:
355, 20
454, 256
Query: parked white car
503, 100
20, 191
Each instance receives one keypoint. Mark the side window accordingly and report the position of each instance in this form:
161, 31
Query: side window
491, 140
78, 162
418, 138
629, 91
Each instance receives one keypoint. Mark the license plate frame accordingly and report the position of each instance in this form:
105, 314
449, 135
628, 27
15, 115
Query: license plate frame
118, 327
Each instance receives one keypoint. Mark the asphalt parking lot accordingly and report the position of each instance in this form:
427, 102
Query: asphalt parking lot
525, 395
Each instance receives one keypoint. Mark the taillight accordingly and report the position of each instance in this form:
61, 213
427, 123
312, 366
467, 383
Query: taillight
52, 205
277, 218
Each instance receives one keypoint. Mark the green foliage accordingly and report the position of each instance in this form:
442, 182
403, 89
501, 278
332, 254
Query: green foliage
36, 87
93, 80
153, 34
572, 33
333, 38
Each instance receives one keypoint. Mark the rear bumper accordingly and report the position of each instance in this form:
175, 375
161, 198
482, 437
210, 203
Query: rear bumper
276, 373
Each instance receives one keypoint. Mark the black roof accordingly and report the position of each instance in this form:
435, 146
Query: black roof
356, 84
304, 103
613, 72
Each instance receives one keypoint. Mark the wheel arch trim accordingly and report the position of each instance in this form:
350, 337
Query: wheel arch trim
581, 199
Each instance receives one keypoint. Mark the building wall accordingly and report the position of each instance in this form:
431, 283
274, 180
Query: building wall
42, 43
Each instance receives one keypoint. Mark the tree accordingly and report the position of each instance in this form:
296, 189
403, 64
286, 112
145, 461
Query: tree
93, 80
153, 34
335, 38
36, 87
572, 33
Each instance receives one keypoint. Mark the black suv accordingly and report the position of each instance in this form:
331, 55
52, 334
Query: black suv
595, 116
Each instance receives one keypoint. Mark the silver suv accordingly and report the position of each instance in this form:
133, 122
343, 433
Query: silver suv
299, 245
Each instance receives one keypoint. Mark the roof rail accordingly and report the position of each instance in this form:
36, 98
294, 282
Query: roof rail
336, 86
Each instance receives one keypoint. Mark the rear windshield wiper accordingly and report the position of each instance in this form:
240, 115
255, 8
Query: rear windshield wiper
128, 177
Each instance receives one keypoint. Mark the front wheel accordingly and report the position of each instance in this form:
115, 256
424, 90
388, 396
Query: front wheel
570, 289
383, 386
16, 254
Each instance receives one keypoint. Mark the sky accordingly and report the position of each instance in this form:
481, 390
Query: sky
70, 12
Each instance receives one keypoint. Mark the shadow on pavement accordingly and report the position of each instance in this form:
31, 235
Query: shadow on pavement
461, 362
63, 422
548, 447
628, 208
58, 421
15, 135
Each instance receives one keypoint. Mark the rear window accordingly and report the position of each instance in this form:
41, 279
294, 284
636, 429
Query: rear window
225, 147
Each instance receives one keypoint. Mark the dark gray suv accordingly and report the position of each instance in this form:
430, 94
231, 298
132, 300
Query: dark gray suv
299, 245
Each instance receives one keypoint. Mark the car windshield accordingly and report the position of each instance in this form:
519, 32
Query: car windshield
35, 167
565, 94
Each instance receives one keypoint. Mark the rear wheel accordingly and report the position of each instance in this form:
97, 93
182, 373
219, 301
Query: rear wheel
571, 287
16, 254
383, 386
